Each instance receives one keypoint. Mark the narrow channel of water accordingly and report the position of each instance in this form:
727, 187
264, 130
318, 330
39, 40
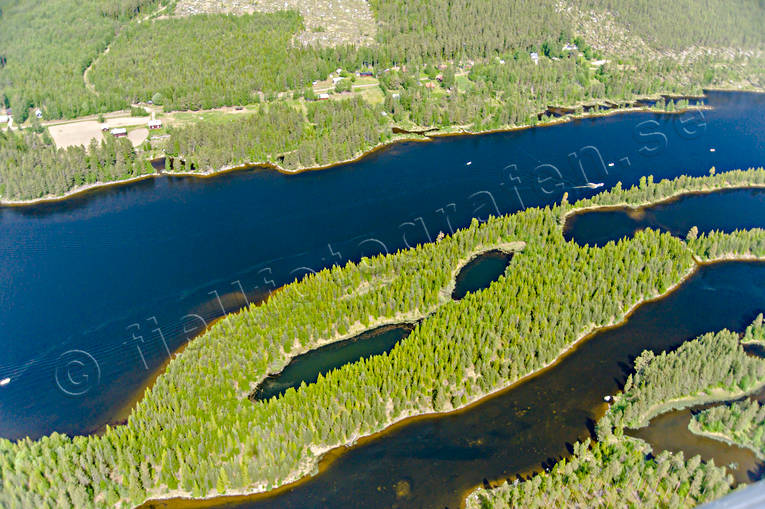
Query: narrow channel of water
725, 210
669, 432
434, 461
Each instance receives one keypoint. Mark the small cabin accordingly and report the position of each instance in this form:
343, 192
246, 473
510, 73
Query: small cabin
104, 127
38, 113
4, 119
155, 124
570, 47
118, 132
323, 97
366, 74
535, 57
336, 80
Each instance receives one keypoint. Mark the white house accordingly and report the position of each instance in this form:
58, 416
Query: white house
118, 132
4, 119
155, 124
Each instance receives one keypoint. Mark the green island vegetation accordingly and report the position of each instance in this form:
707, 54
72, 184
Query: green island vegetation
617, 470
195, 432
755, 333
436, 64
741, 423
685, 377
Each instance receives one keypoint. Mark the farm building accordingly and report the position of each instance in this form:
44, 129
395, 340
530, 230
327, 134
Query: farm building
155, 124
118, 132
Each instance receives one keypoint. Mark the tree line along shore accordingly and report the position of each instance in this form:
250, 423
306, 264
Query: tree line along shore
195, 432
618, 470
451, 76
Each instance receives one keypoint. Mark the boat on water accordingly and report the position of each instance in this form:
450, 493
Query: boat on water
594, 185
5, 381
468, 163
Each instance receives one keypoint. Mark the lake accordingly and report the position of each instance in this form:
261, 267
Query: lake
98, 290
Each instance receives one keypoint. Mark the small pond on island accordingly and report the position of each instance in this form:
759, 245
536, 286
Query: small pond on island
476, 275
480, 272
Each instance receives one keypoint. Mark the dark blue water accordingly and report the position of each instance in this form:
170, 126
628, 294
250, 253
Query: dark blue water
725, 211
95, 291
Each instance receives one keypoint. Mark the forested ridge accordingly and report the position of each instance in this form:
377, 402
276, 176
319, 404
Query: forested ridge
196, 431
449, 65
617, 470
204, 61
687, 23
46, 45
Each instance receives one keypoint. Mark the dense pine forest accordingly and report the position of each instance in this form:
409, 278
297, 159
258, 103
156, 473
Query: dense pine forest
207, 61
174, 438
45, 47
741, 423
204, 61
25, 153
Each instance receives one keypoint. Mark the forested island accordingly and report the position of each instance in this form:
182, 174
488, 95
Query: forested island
196, 433
453, 67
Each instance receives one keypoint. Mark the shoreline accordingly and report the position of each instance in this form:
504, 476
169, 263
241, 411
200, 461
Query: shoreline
626, 207
721, 437
430, 135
